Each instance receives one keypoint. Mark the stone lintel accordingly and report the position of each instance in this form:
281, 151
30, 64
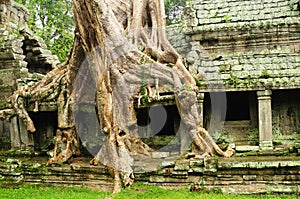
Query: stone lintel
264, 94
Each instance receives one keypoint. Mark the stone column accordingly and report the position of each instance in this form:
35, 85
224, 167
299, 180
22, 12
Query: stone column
200, 101
265, 119
14, 133
27, 141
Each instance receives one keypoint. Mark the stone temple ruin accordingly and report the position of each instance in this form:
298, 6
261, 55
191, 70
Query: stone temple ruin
248, 55
24, 59
248, 52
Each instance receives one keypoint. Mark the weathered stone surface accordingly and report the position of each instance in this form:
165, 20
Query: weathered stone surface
243, 37
22, 55
182, 165
243, 176
196, 163
169, 163
160, 154
246, 148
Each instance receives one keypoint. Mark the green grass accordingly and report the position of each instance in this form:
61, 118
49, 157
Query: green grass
33, 192
137, 191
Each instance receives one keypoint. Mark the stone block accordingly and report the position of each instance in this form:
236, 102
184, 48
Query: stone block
37, 50
180, 174
196, 163
246, 148
182, 165
11, 56
249, 177
156, 179
169, 163
211, 163
197, 170
12, 64
9, 76
160, 155
266, 145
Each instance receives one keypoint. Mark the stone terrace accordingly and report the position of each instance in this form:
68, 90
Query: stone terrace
243, 175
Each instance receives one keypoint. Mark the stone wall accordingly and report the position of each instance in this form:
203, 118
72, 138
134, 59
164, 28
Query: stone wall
242, 175
20, 50
249, 46
246, 46
178, 39
13, 12
11, 53
286, 114
24, 59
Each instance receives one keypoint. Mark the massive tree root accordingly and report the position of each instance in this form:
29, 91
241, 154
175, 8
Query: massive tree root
124, 43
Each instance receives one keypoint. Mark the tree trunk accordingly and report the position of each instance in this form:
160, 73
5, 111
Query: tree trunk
123, 48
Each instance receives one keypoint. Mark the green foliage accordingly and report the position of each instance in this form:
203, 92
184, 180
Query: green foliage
224, 137
253, 137
174, 10
227, 19
51, 192
143, 91
233, 80
198, 82
224, 68
293, 5
54, 22
281, 139
248, 81
265, 74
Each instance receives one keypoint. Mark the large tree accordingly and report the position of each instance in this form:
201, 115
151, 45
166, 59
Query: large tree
124, 47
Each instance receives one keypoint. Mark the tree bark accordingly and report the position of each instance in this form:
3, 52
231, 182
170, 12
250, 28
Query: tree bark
124, 45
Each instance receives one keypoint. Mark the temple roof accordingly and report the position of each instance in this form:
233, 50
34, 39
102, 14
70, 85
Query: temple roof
245, 45
218, 14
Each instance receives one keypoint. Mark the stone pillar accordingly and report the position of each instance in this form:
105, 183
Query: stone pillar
27, 141
14, 133
265, 119
19, 136
200, 101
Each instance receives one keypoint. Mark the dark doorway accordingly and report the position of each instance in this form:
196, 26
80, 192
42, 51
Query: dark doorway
46, 125
238, 106
158, 125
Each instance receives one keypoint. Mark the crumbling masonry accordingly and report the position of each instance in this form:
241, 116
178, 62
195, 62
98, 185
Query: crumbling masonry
24, 59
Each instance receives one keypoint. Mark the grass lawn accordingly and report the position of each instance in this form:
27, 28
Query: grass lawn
137, 191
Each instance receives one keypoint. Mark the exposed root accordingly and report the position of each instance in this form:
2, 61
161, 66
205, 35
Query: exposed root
65, 146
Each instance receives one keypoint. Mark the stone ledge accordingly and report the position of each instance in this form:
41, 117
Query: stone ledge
246, 148
230, 175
